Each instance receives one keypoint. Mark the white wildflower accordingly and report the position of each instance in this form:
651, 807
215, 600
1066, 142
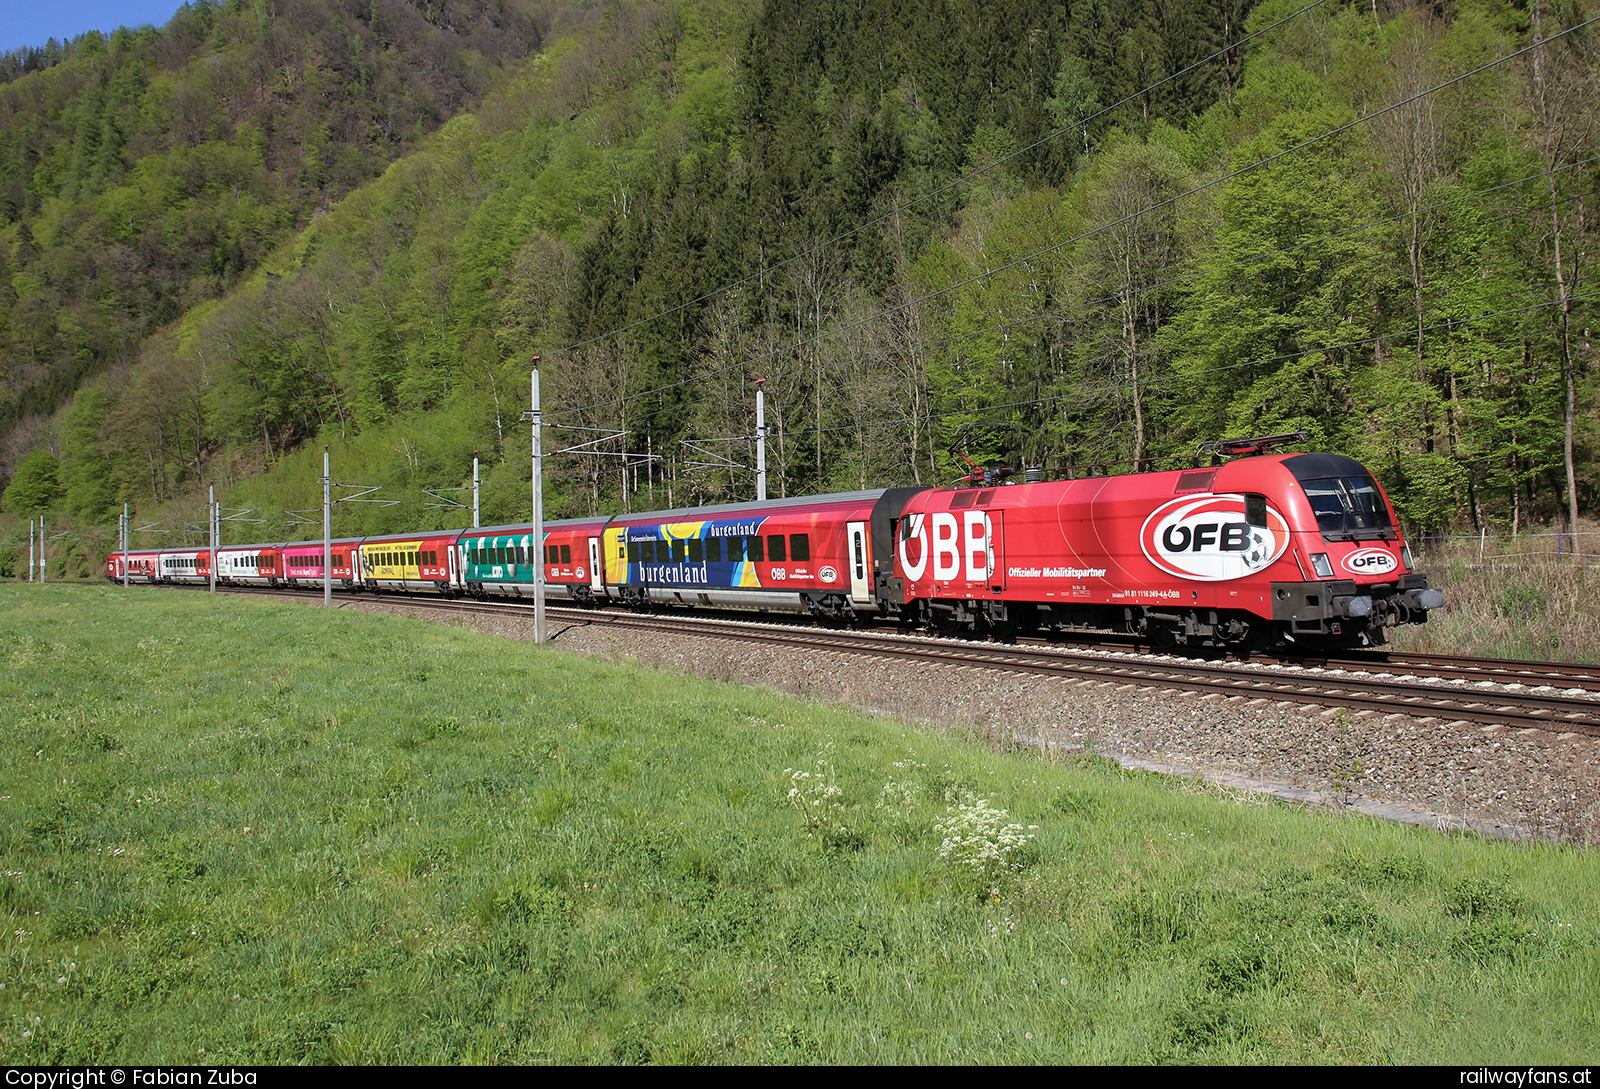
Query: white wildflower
975, 836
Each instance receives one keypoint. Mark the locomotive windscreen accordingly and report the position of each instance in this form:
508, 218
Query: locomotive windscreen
1345, 500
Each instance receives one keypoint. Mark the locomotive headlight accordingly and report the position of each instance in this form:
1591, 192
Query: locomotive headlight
1320, 564
1405, 557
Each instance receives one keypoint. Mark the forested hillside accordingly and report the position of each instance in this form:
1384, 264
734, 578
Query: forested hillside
142, 174
1093, 223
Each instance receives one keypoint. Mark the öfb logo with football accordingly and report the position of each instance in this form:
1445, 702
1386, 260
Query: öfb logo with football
1369, 561
1206, 538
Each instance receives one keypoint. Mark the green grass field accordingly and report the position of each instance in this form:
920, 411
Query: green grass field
237, 831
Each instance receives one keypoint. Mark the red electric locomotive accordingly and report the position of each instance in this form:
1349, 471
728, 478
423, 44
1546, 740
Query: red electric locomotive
1260, 550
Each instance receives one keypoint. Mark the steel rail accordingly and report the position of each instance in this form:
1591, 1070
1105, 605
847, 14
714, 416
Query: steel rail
1550, 712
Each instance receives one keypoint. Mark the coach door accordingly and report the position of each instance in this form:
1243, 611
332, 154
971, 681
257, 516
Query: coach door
859, 560
597, 581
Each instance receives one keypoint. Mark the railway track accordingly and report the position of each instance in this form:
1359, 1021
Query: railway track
1513, 694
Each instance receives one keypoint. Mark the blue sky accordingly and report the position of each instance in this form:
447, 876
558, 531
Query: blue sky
34, 22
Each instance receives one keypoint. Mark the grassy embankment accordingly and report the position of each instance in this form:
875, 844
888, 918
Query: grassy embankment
1513, 597
240, 831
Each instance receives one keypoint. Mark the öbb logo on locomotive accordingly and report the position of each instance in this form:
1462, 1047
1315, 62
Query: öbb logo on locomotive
1207, 539
968, 543
1370, 561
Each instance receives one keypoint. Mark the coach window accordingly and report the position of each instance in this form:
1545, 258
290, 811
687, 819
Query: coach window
697, 550
552, 554
775, 548
633, 552
714, 549
799, 547
566, 553
677, 551
754, 550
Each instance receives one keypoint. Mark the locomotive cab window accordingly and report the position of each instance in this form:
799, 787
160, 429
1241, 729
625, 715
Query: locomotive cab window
1348, 507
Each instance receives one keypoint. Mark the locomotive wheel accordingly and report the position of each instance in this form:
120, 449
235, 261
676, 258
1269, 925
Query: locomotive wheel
1162, 637
1003, 631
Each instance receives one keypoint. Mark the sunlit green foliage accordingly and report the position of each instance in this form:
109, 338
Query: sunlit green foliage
1135, 284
